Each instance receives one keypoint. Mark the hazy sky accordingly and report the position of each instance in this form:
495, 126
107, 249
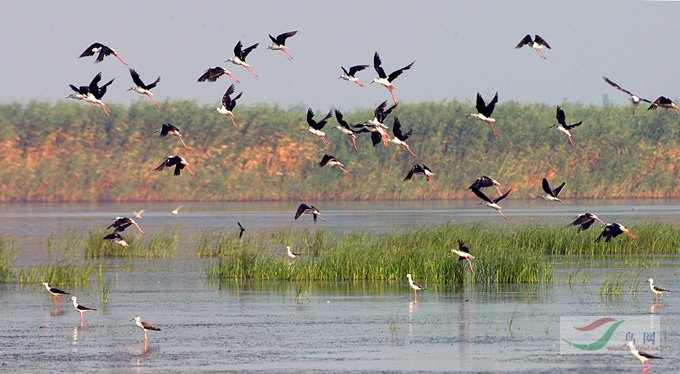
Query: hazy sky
460, 47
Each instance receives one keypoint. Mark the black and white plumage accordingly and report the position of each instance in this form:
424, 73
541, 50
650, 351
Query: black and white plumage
80, 308
463, 253
415, 286
240, 55
346, 129
92, 93
178, 162
55, 292
664, 102
612, 230
400, 137
145, 326
491, 203
643, 357
241, 229
170, 129
331, 161
377, 124
213, 73
308, 209
384, 79
142, 88
635, 99
117, 239
657, 291
350, 75
102, 51
484, 111
537, 43
315, 127
585, 220
229, 103
121, 223
484, 182
279, 43
290, 252
562, 125
425, 171
551, 194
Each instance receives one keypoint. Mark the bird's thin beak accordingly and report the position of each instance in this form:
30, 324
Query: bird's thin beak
129, 89
132, 319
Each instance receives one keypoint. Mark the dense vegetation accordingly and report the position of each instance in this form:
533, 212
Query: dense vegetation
72, 152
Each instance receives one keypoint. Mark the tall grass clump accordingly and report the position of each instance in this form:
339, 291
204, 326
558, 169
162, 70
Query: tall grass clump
7, 259
73, 275
160, 244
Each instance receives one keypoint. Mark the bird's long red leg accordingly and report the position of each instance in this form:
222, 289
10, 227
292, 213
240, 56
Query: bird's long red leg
470, 263
540, 54
498, 190
122, 254
323, 139
121, 60
231, 117
106, 109
357, 82
189, 170
501, 213
391, 89
385, 137
233, 78
139, 228
410, 151
253, 72
429, 179
495, 133
354, 143
183, 143
154, 101
93, 104
572, 142
677, 111
290, 58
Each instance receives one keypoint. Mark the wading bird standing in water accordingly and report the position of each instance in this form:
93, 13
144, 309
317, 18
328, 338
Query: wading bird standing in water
279, 43
121, 223
141, 88
178, 162
55, 292
657, 291
144, 325
240, 55
562, 126
81, 308
635, 99
102, 51
491, 203
213, 73
612, 230
484, 111
585, 220
308, 209
315, 127
349, 75
463, 253
170, 129
550, 194
425, 171
384, 79
228, 104
643, 357
484, 181
344, 128
415, 286
332, 162
538, 43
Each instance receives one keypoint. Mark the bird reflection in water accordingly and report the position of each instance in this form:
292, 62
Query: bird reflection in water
57, 311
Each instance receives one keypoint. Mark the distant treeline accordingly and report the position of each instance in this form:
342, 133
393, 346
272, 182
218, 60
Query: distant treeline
73, 152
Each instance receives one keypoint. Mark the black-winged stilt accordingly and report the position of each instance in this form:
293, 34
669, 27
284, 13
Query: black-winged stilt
213, 73
491, 203
484, 182
400, 137
81, 308
241, 229
290, 253
142, 88
345, 128
102, 51
415, 286
484, 111
315, 127
178, 162
55, 292
585, 220
635, 99
643, 357
349, 75
377, 125
332, 162
92, 93
562, 126
176, 210
384, 79
121, 223
425, 171
657, 291
463, 253
240, 55
144, 325
228, 104
551, 194
308, 209
138, 214
116, 238
612, 230
279, 43
664, 102
538, 43
170, 129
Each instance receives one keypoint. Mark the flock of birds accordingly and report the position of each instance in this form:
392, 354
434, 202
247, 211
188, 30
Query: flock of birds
94, 92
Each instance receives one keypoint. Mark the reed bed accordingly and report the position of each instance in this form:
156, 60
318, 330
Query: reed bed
7, 259
63, 273
160, 244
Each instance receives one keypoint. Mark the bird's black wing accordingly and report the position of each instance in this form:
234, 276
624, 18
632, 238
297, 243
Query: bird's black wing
225, 97
310, 118
281, 38
616, 86
377, 67
94, 84
162, 165
542, 41
90, 50
232, 102
490, 107
561, 117
568, 127
462, 247
393, 75
153, 84
300, 210
325, 159
525, 41
273, 39
325, 119
497, 200
136, 79
546, 187
237, 50
340, 119
105, 51
559, 189
410, 173
480, 105
396, 129
102, 90
375, 138
211, 74
586, 225
354, 69
345, 71
648, 355
248, 50
481, 195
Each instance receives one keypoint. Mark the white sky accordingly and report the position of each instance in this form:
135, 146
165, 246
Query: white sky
460, 47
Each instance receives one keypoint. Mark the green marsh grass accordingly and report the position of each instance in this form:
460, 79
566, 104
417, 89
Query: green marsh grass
63, 273
161, 244
7, 259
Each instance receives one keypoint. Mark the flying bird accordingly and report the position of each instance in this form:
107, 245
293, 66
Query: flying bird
121, 223
332, 162
538, 43
144, 325
170, 129
241, 229
491, 203
315, 127
612, 230
93, 93
635, 99
142, 88
137, 214
213, 73
400, 137
308, 209
377, 125
116, 238
463, 253
484, 182
81, 308
425, 171
228, 104
484, 111
240, 55
55, 292
657, 291
384, 79
585, 221
562, 126
550, 194
664, 102
345, 128
643, 357
350, 75
176, 210
415, 286
279, 43
178, 162
102, 51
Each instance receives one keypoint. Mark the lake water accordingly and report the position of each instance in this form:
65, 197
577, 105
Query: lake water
294, 327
